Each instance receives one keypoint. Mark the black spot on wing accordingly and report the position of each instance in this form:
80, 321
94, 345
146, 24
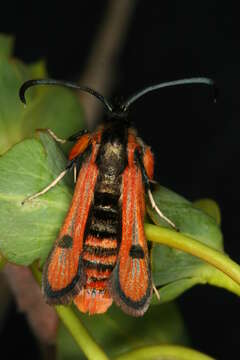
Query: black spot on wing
65, 242
136, 252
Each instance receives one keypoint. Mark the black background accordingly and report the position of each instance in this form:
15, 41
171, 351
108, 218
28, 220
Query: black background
196, 142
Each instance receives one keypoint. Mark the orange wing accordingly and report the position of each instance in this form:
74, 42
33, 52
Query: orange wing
131, 283
63, 274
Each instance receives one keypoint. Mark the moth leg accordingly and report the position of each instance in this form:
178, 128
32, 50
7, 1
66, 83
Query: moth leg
75, 173
55, 137
147, 181
73, 137
156, 291
152, 181
158, 211
50, 186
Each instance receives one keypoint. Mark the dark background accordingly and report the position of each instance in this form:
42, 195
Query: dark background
196, 142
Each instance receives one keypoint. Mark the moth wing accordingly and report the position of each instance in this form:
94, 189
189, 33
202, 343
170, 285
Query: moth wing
130, 283
63, 273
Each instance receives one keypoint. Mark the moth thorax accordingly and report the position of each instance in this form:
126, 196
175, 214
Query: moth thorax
112, 158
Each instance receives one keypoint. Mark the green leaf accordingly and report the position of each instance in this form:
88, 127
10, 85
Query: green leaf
118, 333
174, 289
38, 69
6, 45
210, 207
56, 108
188, 219
175, 271
29, 230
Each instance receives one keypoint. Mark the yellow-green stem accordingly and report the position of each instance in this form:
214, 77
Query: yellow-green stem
90, 348
194, 247
164, 352
80, 334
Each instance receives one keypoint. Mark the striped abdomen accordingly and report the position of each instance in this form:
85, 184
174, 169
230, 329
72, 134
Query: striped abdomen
100, 248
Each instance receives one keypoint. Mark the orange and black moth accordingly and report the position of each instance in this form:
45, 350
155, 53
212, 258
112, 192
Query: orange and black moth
101, 254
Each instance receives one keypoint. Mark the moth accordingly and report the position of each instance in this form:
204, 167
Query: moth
101, 253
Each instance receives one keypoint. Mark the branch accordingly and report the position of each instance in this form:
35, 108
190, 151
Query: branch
102, 62
41, 317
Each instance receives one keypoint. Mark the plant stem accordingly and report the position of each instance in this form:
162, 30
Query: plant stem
164, 352
101, 69
194, 247
80, 334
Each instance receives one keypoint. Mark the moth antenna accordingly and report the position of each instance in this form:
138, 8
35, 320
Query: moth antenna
196, 80
107, 106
